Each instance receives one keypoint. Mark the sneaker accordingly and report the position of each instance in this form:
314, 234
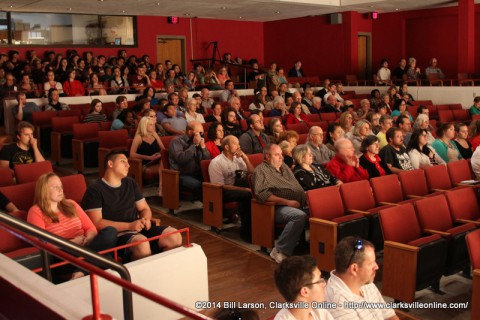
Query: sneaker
277, 255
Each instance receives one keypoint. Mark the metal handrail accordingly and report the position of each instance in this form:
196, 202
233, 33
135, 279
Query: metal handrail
69, 251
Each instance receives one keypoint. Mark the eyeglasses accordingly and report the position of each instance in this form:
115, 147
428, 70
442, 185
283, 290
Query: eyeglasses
356, 247
320, 281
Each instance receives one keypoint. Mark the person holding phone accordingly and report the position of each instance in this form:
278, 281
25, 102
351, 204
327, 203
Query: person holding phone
185, 153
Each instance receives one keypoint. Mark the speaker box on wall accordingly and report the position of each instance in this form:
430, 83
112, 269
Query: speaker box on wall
335, 18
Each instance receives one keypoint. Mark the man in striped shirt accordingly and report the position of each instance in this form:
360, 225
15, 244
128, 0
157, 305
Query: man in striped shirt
351, 285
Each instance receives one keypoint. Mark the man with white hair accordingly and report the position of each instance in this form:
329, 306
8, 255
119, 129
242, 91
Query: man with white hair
345, 165
321, 153
316, 105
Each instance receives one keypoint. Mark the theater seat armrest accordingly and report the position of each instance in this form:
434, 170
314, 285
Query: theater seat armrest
229, 187
210, 185
476, 223
440, 233
411, 196
323, 222
350, 211
439, 190
401, 246
387, 204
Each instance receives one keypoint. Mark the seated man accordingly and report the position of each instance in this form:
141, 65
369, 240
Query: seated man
352, 282
300, 282
229, 91
115, 201
185, 153
345, 165
394, 153
23, 111
254, 139
25, 150
173, 124
223, 169
274, 181
6, 205
321, 153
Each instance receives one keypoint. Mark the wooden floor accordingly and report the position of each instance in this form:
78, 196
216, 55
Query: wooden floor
234, 273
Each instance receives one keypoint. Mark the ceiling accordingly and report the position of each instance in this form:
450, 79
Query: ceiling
248, 10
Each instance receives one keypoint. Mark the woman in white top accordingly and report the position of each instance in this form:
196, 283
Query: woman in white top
51, 83
257, 103
421, 155
191, 114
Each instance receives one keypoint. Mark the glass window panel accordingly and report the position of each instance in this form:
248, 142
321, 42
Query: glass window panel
3, 28
118, 30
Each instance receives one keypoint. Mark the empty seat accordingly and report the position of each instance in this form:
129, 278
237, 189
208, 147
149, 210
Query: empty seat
445, 115
410, 262
329, 223
459, 171
438, 178
85, 142
435, 218
414, 183
463, 204
61, 137
473, 244
74, 187
30, 172
387, 190
461, 115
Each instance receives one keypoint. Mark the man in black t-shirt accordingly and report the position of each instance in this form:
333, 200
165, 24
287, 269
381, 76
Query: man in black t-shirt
394, 153
24, 151
116, 201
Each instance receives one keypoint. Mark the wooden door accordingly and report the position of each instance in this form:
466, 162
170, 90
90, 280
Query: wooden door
171, 49
362, 57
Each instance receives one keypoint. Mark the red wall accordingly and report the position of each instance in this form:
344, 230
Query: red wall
422, 34
325, 49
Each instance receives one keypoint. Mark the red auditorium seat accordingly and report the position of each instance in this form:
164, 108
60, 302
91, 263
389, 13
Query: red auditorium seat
85, 142
107, 141
298, 127
410, 262
438, 178
473, 244
387, 190
61, 137
459, 171
6, 176
464, 207
30, 172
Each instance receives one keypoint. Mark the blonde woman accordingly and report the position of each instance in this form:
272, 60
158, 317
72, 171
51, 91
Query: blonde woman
146, 146
66, 219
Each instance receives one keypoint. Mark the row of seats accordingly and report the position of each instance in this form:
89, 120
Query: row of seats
24, 173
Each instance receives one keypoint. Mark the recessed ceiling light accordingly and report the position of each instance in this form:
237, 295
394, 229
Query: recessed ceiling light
371, 6
223, 8
123, 11
11, 6
100, 0
69, 9
158, 3
187, 14
240, 17
277, 12
397, 9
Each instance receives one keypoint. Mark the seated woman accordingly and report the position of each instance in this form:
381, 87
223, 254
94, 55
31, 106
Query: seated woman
216, 115
370, 160
192, 114
66, 219
413, 72
311, 175
172, 124
346, 122
290, 136
444, 145
361, 130
157, 84
222, 76
287, 153
423, 122
404, 91
374, 120
274, 129
6, 204
95, 114
51, 83
146, 146
95, 87
258, 103
118, 84
190, 81
230, 124
375, 98
296, 116
72, 87
399, 108
421, 155
125, 120
334, 132
215, 135
463, 145
475, 108
27, 86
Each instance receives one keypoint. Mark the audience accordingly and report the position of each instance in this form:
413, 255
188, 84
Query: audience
321, 153
125, 120
421, 155
215, 136
422, 122
191, 114
274, 182
230, 169
254, 139
474, 133
173, 123
66, 219
345, 165
352, 281
370, 160
461, 140
311, 175
25, 150
54, 103
23, 110
334, 132
404, 123
95, 114
300, 282
116, 201
394, 153
444, 145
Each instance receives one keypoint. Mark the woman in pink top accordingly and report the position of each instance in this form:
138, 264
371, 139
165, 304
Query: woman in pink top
65, 218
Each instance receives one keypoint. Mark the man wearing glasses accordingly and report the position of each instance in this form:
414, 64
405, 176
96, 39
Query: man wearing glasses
351, 285
300, 283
